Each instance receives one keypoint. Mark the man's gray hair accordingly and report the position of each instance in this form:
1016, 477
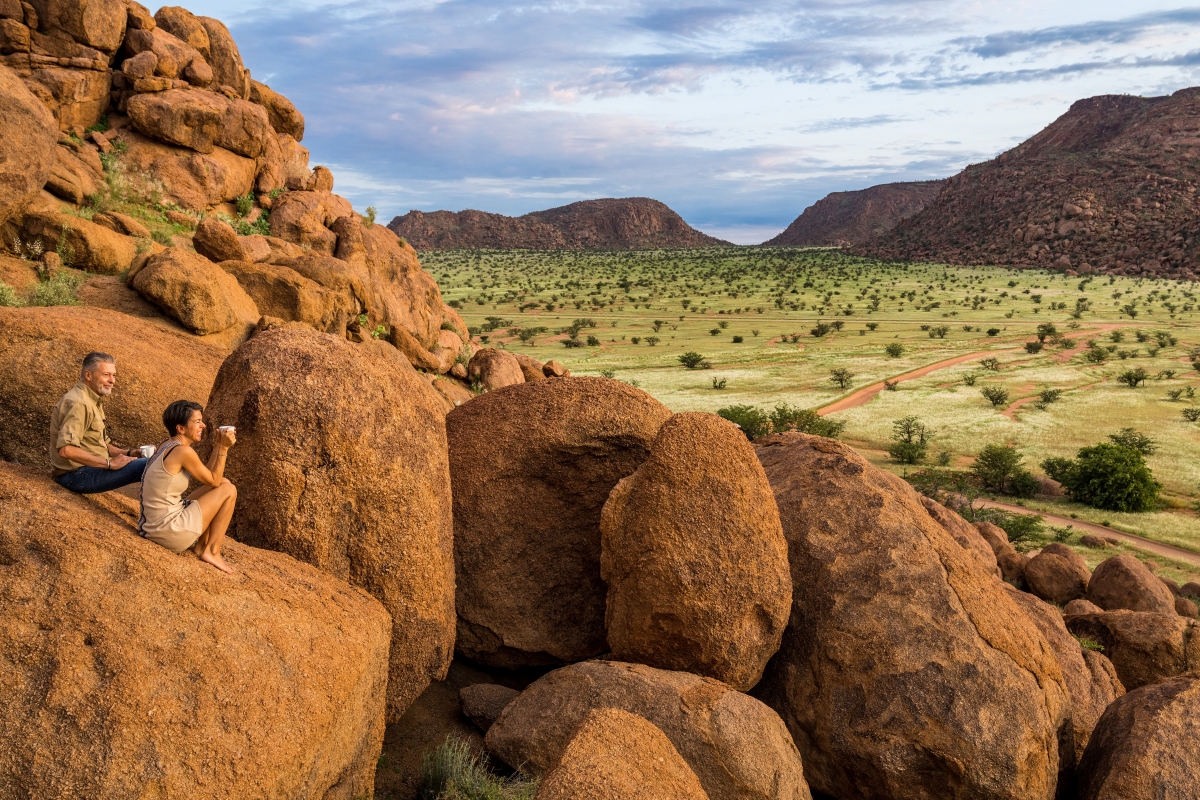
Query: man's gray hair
95, 359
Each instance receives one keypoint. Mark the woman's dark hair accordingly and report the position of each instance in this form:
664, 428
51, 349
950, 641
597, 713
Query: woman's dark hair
178, 413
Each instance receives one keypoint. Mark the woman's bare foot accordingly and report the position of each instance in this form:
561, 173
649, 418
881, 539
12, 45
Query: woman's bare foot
216, 561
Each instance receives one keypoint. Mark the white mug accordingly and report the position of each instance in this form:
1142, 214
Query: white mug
227, 429
147, 450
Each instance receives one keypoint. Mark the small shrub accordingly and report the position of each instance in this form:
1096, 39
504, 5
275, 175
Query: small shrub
714, 332
723, 325
719, 383
575, 341
822, 329
245, 204
593, 341
650, 340
1135, 440
894, 350
635, 339
998, 469
871, 326
1088, 643
380, 332
691, 359
59, 290
1132, 377
944, 458
1106, 476
1033, 347
891, 386
910, 440
991, 363
738, 340
1050, 395
754, 331
1095, 355
804, 420
1192, 414
969, 379
8, 297
608, 373
841, 376
369, 218
993, 331
754, 422
939, 331
996, 395
454, 772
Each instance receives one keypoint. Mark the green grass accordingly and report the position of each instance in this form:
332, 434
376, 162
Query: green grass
455, 772
768, 295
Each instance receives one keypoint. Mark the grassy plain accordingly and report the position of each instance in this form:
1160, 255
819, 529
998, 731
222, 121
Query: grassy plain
751, 313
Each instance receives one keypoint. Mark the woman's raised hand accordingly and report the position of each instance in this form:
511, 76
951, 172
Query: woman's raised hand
227, 437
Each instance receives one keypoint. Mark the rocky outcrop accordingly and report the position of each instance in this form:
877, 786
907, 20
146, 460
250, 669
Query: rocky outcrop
286, 294
736, 746
202, 296
1124, 582
694, 556
616, 755
531, 467
1090, 677
41, 350
341, 462
1107, 187
1144, 647
147, 673
1144, 747
855, 217
620, 224
85, 244
1058, 574
966, 534
1011, 563
906, 670
494, 369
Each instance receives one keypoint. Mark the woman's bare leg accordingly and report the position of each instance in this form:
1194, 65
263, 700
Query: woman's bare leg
216, 510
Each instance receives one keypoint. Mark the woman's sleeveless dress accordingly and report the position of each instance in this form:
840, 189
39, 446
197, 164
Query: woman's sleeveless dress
167, 519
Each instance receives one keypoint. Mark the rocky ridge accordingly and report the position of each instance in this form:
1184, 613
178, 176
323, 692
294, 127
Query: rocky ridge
850, 218
630, 223
1109, 187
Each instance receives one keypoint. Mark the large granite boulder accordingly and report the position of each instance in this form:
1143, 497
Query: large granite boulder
180, 116
82, 243
283, 115
1058, 574
225, 58
694, 556
1124, 582
906, 669
202, 296
494, 369
42, 349
187, 178
616, 755
341, 462
283, 293
738, 748
966, 534
1145, 647
532, 466
129, 671
1147, 745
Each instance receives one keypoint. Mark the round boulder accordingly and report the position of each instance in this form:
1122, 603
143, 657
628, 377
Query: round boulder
202, 296
532, 466
42, 350
1057, 575
1145, 746
694, 556
1124, 582
738, 748
341, 463
482, 703
906, 669
1081, 606
1144, 647
494, 369
148, 674
616, 755
966, 534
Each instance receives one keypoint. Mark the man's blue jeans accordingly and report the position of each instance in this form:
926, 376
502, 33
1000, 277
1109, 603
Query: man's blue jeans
93, 480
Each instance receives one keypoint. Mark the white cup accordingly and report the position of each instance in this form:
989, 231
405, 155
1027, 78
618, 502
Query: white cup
227, 429
147, 450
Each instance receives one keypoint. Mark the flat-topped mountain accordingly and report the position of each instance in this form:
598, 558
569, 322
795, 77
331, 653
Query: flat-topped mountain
855, 217
628, 223
1110, 186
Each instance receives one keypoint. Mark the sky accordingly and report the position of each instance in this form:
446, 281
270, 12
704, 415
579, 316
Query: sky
737, 115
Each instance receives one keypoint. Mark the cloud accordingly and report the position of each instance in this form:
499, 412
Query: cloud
1121, 31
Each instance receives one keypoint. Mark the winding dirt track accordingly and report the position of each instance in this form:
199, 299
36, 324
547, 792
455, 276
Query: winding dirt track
1140, 542
867, 393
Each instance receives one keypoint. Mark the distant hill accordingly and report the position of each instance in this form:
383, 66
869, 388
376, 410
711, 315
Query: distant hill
1110, 186
618, 224
855, 217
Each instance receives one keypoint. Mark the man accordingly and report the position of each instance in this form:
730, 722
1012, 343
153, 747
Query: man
84, 458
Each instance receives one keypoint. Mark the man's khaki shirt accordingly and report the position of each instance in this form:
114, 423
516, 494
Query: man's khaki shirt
78, 420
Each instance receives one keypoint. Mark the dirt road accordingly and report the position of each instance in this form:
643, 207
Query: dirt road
867, 393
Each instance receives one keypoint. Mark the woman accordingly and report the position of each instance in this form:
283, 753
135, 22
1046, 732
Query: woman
200, 521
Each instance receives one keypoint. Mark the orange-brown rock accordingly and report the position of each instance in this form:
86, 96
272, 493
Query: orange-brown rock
1058, 574
1145, 747
94, 23
483, 703
531, 368
225, 58
122, 224
494, 369
193, 180
72, 178
694, 557
216, 240
1124, 582
1090, 677
244, 129
1081, 606
1011, 563
140, 66
1143, 646
202, 296
183, 25
736, 746
553, 369
341, 463
178, 116
76, 97
302, 217
321, 180
284, 293
139, 17
283, 115
964, 533
27, 148
41, 350
529, 586
616, 755
1186, 608
151, 674
455, 393
174, 54
82, 243
906, 670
